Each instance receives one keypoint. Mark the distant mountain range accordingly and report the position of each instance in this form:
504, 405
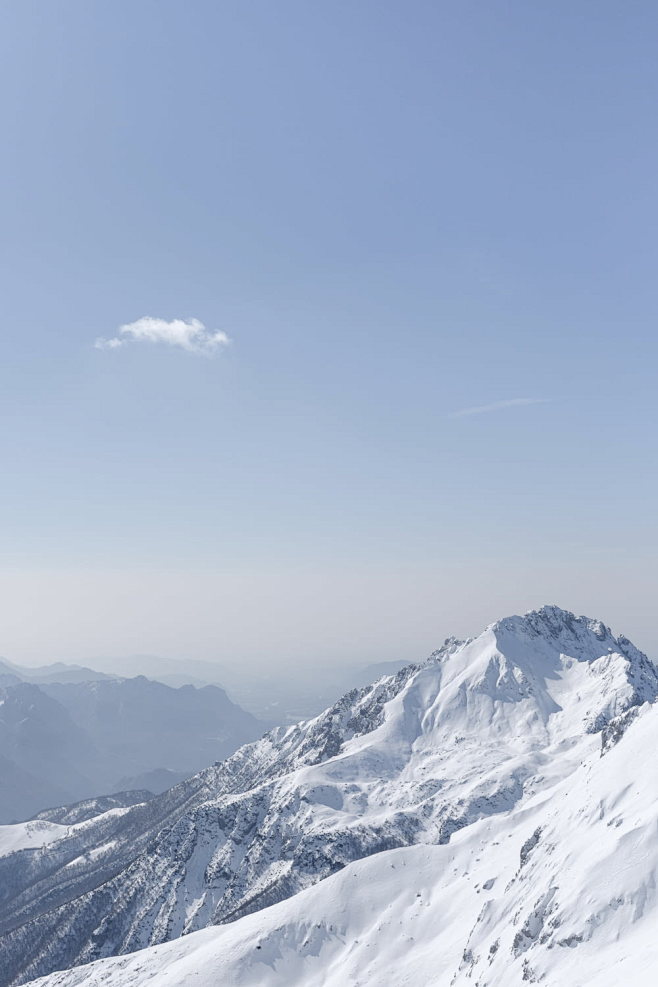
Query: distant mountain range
58, 671
274, 696
486, 817
66, 737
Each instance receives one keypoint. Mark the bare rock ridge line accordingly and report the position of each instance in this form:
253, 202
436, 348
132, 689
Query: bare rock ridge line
482, 732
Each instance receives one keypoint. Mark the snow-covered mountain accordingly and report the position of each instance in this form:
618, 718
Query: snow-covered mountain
69, 815
486, 817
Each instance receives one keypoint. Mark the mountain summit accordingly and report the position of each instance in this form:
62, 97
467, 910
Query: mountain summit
464, 758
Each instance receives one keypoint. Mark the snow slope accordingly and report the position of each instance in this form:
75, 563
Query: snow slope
560, 891
78, 812
36, 833
428, 783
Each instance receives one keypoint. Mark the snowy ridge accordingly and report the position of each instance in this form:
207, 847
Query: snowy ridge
487, 737
88, 808
561, 891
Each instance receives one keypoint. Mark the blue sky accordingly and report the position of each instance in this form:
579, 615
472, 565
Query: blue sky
397, 213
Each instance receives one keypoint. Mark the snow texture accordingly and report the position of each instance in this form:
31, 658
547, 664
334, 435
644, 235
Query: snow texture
485, 818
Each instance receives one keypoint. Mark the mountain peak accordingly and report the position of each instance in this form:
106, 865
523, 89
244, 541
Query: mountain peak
553, 621
584, 638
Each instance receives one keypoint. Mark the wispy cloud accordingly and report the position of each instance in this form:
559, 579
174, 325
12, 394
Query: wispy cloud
187, 334
485, 409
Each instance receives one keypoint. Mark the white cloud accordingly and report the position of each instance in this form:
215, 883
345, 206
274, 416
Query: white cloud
188, 334
484, 409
